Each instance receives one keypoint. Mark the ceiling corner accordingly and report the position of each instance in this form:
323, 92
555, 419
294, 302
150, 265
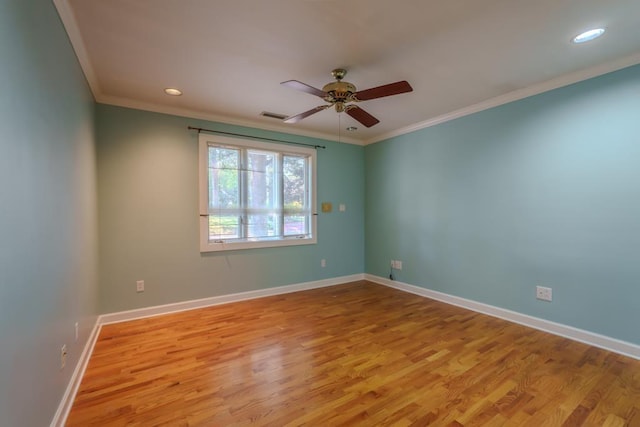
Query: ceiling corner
73, 32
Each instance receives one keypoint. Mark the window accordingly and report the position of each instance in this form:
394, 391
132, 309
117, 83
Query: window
255, 194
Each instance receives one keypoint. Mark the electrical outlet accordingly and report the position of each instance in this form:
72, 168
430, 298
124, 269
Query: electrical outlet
140, 286
543, 293
342, 207
396, 265
323, 263
63, 356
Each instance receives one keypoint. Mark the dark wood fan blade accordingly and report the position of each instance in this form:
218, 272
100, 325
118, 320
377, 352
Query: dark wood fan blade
362, 116
384, 90
298, 117
303, 87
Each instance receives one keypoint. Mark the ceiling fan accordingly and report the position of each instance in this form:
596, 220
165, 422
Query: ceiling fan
342, 95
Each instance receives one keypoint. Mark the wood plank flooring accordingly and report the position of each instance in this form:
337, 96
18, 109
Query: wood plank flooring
353, 354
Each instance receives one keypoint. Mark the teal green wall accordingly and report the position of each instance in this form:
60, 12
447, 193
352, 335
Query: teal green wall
148, 222
48, 211
543, 191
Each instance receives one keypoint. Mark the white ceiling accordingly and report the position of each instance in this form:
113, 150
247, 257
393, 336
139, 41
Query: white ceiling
229, 56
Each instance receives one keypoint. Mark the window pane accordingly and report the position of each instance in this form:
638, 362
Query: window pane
261, 181
295, 225
262, 225
224, 193
261, 194
294, 170
294, 182
224, 187
223, 227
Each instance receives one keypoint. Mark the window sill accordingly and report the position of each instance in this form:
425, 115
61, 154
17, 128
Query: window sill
207, 246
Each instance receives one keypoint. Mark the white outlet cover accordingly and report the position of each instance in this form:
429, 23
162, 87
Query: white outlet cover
544, 293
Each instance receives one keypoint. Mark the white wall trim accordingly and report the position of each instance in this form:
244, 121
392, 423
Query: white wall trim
60, 417
68, 18
586, 337
158, 310
590, 338
69, 21
558, 82
70, 24
69, 396
211, 117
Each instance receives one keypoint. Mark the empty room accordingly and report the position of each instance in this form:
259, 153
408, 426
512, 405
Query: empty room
319, 213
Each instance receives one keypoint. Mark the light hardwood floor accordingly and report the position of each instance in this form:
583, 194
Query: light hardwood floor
353, 354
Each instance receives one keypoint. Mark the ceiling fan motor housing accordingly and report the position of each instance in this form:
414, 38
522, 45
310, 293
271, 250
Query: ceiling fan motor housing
339, 91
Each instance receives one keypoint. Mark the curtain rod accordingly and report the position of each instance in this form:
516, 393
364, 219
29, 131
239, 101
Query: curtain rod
255, 137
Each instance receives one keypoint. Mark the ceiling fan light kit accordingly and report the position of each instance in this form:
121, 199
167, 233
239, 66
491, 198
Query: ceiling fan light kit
342, 95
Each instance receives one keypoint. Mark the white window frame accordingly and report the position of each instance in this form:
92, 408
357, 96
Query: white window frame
221, 245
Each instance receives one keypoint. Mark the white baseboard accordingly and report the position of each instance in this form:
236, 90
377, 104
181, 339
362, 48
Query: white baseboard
586, 337
64, 408
60, 417
140, 313
596, 340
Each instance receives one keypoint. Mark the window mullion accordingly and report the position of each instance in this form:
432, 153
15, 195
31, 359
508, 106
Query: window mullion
308, 204
280, 193
244, 196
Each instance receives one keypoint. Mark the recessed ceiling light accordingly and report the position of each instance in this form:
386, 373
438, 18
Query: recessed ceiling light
172, 91
587, 36
352, 128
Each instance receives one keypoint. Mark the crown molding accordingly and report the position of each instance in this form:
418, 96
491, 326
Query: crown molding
194, 114
558, 82
70, 24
